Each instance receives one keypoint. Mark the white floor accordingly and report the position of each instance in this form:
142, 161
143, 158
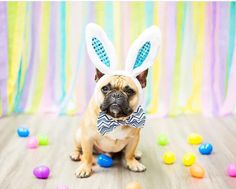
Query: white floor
17, 162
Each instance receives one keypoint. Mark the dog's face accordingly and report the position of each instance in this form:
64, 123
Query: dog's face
119, 95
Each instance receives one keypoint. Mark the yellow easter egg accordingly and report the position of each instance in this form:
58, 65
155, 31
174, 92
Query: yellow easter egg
169, 157
195, 138
189, 159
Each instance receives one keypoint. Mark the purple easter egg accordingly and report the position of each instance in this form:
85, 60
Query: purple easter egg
41, 172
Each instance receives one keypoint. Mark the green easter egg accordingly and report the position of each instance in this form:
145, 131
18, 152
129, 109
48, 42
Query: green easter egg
162, 140
43, 139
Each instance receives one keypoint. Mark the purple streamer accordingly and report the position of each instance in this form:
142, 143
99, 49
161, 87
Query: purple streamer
3, 56
218, 97
208, 97
36, 8
230, 100
89, 65
213, 54
48, 99
221, 52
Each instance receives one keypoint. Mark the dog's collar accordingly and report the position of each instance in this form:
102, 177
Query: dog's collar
106, 124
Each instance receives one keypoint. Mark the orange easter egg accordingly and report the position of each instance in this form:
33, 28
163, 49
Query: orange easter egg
197, 171
133, 185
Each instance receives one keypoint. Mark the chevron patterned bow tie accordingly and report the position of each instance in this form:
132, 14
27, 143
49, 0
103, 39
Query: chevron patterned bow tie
106, 124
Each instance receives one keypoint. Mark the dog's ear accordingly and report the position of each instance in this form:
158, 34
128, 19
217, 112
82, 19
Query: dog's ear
142, 78
98, 75
143, 52
100, 49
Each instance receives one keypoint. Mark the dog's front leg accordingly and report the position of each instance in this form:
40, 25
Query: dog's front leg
131, 163
85, 169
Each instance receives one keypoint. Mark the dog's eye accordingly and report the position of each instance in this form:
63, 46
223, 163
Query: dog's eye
129, 91
106, 89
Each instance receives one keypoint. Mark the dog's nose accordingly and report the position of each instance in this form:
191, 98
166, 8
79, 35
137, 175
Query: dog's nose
116, 95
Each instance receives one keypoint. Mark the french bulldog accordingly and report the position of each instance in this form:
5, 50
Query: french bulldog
114, 117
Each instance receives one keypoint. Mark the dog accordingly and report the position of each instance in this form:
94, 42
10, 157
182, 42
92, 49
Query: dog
114, 117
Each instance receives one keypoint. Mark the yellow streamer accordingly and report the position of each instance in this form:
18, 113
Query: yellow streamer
194, 102
137, 19
16, 26
176, 80
155, 72
1, 106
26, 48
117, 35
100, 13
68, 45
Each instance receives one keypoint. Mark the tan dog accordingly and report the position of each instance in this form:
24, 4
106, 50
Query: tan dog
118, 95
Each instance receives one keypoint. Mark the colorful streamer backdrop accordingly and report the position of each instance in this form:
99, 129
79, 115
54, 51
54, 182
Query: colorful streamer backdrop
44, 66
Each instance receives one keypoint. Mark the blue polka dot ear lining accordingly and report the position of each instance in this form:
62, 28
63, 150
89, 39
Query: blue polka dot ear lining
100, 51
142, 54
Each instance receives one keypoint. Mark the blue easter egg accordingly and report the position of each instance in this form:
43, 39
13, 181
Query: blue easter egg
104, 160
205, 148
23, 132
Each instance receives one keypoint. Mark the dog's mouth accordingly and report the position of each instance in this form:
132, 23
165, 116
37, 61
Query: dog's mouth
116, 104
117, 111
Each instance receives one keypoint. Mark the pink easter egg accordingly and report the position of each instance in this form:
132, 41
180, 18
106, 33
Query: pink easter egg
62, 187
32, 142
231, 170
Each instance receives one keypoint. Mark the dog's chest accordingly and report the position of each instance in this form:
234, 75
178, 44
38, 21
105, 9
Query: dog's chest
116, 140
119, 133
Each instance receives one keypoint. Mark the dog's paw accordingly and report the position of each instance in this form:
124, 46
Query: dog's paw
83, 171
75, 156
135, 165
138, 155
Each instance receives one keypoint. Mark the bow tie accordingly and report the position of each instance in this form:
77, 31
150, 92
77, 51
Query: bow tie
106, 124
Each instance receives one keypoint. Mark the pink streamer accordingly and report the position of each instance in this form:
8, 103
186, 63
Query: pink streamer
230, 100
207, 91
169, 59
3, 56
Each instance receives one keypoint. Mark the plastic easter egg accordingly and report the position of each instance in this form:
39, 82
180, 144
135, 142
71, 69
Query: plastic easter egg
41, 172
197, 171
23, 132
162, 140
62, 187
205, 149
104, 160
133, 185
231, 170
189, 159
32, 142
169, 157
195, 138
42, 139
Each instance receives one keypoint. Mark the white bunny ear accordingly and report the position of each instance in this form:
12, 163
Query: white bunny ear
143, 51
100, 49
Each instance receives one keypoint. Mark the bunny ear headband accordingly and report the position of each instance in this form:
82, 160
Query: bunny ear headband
140, 57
